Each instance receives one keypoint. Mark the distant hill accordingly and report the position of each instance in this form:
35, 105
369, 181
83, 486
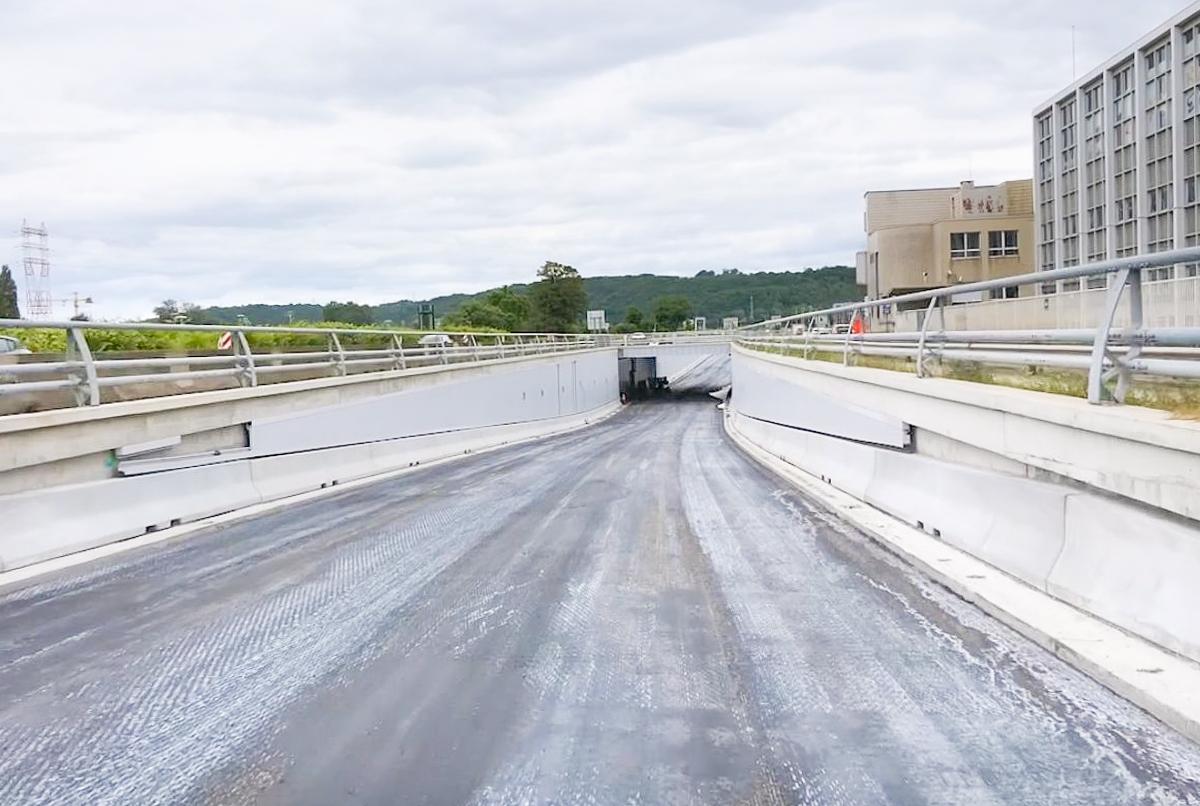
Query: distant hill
713, 295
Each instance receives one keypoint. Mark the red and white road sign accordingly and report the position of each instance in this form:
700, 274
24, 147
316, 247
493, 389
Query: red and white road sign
226, 341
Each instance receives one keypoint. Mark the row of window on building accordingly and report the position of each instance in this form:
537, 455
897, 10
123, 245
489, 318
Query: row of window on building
1001, 243
1138, 188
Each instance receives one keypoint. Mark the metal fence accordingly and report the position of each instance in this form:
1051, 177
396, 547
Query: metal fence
82, 376
1111, 356
86, 374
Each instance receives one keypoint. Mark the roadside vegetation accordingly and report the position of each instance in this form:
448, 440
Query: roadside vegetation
100, 340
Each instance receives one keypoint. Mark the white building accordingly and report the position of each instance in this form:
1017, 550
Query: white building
1116, 156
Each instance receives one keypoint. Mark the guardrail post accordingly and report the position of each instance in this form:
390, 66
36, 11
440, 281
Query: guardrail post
849, 332
934, 304
87, 386
247, 373
1098, 376
397, 353
337, 355
474, 347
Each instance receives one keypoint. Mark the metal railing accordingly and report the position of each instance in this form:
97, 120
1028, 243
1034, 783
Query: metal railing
1105, 352
84, 373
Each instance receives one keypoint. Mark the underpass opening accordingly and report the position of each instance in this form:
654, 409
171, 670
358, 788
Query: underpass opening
639, 378
649, 376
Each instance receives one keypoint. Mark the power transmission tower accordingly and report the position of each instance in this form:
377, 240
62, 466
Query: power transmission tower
35, 246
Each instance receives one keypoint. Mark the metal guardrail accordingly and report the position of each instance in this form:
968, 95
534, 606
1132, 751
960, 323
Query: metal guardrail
84, 373
1105, 352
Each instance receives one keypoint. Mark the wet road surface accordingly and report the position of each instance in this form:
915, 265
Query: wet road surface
632, 613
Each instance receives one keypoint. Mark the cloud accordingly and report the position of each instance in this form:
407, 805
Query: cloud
228, 152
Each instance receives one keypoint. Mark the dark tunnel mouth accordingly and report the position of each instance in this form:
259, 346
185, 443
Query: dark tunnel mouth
639, 381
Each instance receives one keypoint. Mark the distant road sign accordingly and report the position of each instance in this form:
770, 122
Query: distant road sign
225, 342
596, 321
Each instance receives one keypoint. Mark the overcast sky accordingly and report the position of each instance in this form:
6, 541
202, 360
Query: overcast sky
225, 152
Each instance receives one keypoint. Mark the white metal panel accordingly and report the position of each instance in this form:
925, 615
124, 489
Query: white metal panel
760, 391
514, 394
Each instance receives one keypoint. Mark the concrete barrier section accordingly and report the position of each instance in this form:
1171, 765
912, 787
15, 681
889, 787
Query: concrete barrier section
1134, 568
1121, 560
43, 524
848, 466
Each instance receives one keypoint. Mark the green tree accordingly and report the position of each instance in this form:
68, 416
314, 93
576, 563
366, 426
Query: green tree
633, 317
171, 311
194, 313
670, 312
557, 299
167, 310
513, 305
349, 312
502, 309
9, 304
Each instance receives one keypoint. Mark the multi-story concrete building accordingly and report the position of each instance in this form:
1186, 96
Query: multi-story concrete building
918, 239
1116, 156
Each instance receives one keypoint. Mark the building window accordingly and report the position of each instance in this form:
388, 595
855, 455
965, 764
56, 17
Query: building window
964, 244
1002, 243
1044, 124
1124, 163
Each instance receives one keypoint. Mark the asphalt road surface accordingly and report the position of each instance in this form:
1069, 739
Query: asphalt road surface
628, 614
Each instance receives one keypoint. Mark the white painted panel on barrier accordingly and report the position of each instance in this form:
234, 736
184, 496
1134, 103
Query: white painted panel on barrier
763, 391
41, 524
1133, 568
494, 396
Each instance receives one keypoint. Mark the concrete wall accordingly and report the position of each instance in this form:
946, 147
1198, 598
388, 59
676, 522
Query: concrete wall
978, 475
75, 479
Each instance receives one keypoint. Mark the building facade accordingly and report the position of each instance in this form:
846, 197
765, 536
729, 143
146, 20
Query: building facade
933, 237
1116, 157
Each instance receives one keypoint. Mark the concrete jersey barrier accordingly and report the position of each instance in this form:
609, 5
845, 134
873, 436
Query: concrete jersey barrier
1130, 564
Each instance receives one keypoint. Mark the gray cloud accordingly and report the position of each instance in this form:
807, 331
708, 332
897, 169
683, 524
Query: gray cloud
227, 152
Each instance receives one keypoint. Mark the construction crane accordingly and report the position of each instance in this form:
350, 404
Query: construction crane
75, 300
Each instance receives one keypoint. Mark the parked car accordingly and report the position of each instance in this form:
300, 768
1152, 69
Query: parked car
12, 346
435, 340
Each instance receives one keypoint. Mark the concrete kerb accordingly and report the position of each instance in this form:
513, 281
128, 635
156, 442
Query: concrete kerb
26, 573
1155, 679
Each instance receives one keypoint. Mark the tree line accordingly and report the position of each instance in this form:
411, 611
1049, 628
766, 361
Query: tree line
557, 300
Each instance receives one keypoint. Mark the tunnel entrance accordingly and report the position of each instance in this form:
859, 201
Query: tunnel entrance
643, 377
639, 377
